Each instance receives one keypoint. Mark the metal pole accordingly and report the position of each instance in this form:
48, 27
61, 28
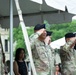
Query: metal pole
41, 13
11, 37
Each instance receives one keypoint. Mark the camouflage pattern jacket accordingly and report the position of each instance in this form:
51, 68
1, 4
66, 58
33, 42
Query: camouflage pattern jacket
68, 57
43, 55
2, 72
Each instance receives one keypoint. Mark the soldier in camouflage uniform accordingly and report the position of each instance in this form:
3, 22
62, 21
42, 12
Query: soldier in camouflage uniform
67, 54
0, 62
56, 58
2, 72
43, 55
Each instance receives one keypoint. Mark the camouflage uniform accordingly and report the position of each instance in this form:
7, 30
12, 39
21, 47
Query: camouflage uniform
68, 59
43, 56
1, 64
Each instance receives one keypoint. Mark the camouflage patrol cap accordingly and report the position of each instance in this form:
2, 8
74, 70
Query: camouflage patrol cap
49, 33
39, 26
69, 35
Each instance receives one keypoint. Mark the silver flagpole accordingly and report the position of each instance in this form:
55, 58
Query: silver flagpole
26, 38
11, 37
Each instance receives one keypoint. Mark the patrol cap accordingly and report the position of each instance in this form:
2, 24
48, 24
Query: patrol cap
69, 35
49, 33
39, 26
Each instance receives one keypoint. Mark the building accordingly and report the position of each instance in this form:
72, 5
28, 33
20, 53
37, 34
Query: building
4, 37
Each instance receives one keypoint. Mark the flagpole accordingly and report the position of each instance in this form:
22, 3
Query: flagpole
11, 37
26, 38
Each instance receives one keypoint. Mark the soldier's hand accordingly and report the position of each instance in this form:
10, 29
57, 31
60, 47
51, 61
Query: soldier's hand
73, 39
73, 44
41, 31
47, 40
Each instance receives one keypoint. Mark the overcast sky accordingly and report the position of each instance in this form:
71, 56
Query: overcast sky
74, 18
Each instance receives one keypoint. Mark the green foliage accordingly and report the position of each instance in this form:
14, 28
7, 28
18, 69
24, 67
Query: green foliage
18, 37
30, 31
59, 30
47, 25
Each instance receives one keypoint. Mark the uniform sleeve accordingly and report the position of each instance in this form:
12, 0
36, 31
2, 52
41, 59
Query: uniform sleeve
57, 56
1, 64
32, 39
57, 59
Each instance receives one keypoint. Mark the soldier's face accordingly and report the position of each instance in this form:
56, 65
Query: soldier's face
70, 39
43, 35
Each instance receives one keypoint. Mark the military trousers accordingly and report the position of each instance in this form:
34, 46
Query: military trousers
67, 72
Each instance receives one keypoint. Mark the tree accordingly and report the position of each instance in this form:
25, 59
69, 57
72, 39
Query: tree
19, 39
59, 30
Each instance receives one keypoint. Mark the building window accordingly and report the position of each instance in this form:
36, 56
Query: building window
6, 45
